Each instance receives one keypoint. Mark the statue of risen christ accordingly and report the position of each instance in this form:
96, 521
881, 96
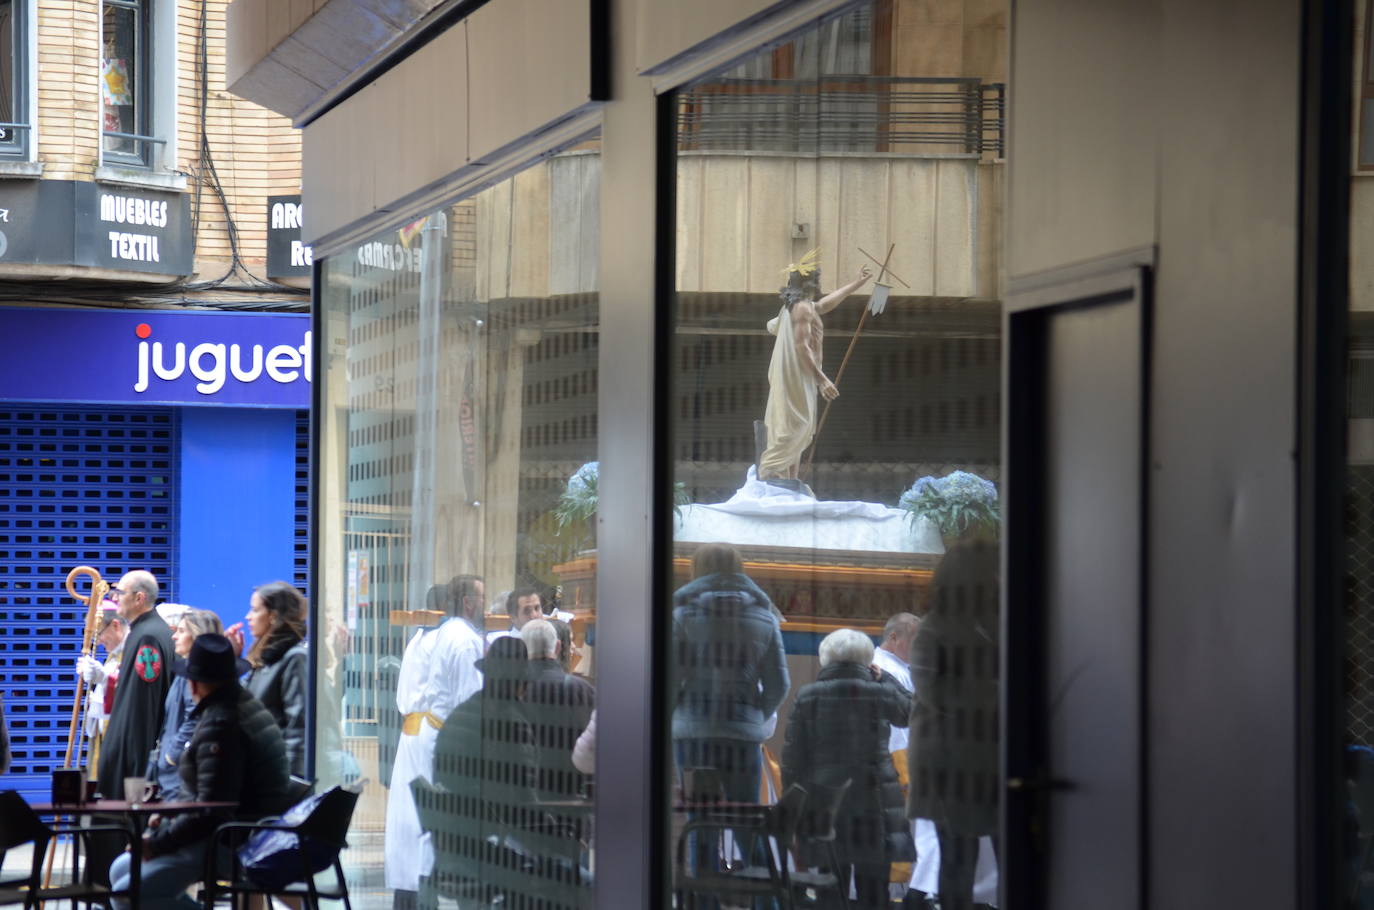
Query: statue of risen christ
795, 374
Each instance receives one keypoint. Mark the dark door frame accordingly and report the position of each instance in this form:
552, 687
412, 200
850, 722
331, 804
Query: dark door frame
1321, 338
1025, 712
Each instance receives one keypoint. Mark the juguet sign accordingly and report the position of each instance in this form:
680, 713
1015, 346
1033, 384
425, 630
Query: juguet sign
157, 357
66, 222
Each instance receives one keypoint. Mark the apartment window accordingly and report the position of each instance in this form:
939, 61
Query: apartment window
14, 127
124, 89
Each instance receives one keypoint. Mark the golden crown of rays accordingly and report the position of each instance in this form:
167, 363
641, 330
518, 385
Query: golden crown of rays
808, 264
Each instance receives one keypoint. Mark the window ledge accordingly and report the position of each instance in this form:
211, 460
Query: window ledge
127, 176
20, 169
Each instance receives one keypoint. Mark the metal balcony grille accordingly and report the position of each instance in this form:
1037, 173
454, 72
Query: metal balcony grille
78, 485
844, 114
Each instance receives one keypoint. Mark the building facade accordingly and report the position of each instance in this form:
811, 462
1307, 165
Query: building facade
156, 403
590, 273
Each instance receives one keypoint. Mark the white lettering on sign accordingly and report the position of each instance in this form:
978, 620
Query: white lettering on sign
134, 247
133, 210
391, 256
213, 363
301, 254
286, 216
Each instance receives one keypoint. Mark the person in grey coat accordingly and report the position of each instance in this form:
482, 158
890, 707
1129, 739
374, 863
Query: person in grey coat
729, 671
177, 724
952, 758
279, 659
838, 731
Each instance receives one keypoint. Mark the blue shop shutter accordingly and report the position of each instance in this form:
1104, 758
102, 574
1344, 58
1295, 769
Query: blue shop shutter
301, 548
78, 486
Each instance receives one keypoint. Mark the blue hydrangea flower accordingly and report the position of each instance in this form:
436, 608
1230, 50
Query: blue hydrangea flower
958, 502
583, 480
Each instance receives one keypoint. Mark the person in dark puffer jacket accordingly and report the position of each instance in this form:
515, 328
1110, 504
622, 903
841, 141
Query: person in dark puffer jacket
730, 671
236, 755
279, 658
838, 731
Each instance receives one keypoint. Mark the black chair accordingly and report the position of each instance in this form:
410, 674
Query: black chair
821, 837
768, 836
327, 824
20, 825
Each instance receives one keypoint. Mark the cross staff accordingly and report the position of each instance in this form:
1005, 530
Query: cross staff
875, 307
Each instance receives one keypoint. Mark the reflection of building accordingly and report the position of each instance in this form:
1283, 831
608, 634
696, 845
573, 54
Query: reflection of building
142, 427
1174, 659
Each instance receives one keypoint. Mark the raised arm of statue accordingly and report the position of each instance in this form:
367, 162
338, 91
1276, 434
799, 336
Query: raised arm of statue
837, 296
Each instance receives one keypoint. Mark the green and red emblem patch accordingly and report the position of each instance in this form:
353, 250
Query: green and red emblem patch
148, 663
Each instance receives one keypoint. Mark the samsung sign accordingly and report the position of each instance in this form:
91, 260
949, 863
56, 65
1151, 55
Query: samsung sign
156, 357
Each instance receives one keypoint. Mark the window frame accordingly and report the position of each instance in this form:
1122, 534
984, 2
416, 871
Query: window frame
144, 95
19, 141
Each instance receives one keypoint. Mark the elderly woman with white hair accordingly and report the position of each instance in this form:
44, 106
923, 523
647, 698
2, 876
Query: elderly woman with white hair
837, 732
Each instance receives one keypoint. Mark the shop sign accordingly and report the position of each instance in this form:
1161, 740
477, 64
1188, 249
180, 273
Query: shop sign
156, 357
78, 223
287, 256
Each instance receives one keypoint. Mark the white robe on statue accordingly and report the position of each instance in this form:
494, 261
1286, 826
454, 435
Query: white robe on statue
790, 416
925, 874
438, 672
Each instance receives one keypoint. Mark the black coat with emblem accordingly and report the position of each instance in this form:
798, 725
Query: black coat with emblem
236, 755
145, 675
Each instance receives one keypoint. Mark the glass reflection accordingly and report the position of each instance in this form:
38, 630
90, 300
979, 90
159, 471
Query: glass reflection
833, 687
458, 481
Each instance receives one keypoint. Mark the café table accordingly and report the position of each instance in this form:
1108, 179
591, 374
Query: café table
136, 813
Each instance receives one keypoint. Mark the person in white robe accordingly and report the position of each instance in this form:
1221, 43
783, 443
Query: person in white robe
891, 656
795, 374
438, 672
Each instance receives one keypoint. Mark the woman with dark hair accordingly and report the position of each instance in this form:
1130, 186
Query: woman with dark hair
177, 724
953, 753
730, 671
276, 617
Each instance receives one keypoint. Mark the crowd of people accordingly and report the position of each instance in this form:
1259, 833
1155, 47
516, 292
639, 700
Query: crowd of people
888, 743
894, 745
489, 792
174, 704
489, 778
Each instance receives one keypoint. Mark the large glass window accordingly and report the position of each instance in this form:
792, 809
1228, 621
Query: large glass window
124, 69
833, 688
458, 499
14, 126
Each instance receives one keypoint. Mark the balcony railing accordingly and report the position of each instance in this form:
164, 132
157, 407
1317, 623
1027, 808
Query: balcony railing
845, 114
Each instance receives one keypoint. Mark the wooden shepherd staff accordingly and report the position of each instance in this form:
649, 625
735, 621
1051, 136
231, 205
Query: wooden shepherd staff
99, 588
882, 270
